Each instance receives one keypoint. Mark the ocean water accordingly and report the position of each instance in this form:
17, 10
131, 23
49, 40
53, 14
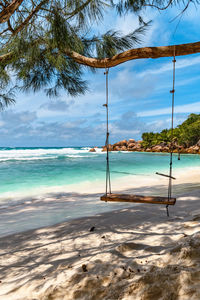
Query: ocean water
25, 171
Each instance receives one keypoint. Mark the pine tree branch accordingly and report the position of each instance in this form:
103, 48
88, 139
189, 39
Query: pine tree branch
132, 54
158, 7
10, 26
77, 10
9, 10
5, 58
26, 21
138, 53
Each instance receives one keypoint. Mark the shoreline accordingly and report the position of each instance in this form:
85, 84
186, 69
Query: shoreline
59, 205
132, 253
119, 184
189, 190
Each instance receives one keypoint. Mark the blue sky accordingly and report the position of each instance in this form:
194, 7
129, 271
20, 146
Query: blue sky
138, 93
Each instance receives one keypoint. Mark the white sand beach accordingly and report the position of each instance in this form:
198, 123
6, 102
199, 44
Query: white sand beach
131, 253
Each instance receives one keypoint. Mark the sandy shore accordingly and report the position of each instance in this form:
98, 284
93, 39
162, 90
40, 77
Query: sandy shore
131, 253
51, 205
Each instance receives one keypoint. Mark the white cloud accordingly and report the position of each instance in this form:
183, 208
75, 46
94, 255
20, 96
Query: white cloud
127, 84
57, 105
158, 125
127, 23
153, 35
16, 119
185, 108
180, 64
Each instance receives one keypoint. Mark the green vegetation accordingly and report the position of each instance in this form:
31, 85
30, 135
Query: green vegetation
46, 45
187, 134
37, 39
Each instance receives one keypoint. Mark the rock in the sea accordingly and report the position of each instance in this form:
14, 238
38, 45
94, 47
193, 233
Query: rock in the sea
123, 148
131, 145
157, 148
131, 141
92, 150
165, 149
190, 150
110, 148
196, 148
121, 143
116, 148
138, 146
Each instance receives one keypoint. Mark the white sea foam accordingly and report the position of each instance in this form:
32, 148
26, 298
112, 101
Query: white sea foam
98, 150
85, 148
37, 154
26, 158
77, 156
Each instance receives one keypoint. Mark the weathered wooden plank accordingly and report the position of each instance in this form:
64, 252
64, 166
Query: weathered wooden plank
138, 199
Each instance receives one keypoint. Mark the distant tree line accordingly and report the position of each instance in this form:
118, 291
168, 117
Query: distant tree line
187, 134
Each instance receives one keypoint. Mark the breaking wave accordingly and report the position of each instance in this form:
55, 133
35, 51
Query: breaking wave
43, 153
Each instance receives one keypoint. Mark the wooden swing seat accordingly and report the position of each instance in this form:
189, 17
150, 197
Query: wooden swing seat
138, 199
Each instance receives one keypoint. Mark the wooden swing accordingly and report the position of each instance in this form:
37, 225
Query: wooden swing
109, 196
138, 199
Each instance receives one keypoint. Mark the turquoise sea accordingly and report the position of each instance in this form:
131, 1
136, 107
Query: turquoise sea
25, 170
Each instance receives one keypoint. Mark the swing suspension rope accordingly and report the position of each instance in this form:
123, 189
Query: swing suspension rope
172, 134
136, 198
108, 181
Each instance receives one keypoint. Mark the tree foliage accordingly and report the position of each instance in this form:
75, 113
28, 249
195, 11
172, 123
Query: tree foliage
38, 37
187, 134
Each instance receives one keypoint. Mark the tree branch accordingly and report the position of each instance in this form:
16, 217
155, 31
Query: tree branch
5, 58
160, 8
77, 10
9, 10
25, 22
132, 54
9, 26
138, 53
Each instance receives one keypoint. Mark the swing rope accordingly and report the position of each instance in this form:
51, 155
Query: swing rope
137, 198
172, 135
108, 181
